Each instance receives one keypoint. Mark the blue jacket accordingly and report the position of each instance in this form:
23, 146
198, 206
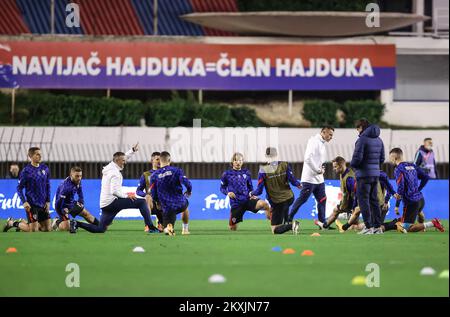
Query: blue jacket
166, 187
238, 182
410, 181
65, 195
36, 182
369, 153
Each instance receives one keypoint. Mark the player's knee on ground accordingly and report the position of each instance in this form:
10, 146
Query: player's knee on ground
64, 225
25, 227
34, 226
262, 204
45, 226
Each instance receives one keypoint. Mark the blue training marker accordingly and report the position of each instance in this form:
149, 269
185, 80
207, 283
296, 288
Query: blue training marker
276, 249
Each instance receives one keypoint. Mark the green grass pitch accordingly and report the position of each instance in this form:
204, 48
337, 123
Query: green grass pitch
181, 265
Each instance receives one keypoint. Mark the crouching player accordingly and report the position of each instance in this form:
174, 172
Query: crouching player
236, 183
348, 188
166, 187
407, 176
275, 177
143, 189
67, 205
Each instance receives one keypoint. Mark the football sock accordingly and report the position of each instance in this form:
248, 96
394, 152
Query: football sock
428, 224
346, 226
389, 226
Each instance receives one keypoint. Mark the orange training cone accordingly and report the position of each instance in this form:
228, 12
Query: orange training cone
288, 251
307, 253
11, 250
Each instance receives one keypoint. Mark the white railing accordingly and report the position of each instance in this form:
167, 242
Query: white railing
441, 22
97, 144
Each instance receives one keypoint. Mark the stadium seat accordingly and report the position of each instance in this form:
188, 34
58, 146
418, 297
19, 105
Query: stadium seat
11, 21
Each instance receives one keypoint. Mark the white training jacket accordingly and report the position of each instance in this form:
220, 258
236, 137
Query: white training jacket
112, 182
315, 156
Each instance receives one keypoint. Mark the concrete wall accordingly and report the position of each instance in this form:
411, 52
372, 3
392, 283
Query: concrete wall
415, 113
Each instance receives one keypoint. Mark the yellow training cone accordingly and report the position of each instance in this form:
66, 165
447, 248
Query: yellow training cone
444, 274
359, 280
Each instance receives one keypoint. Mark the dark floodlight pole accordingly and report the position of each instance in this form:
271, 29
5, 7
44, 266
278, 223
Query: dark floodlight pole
290, 97
155, 17
200, 96
52, 17
13, 105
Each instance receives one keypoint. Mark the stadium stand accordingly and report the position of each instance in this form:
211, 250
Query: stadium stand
11, 20
37, 17
110, 17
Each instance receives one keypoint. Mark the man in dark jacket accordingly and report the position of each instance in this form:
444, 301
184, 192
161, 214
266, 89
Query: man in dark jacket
366, 160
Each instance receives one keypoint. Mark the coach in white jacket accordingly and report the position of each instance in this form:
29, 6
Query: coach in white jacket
312, 174
113, 199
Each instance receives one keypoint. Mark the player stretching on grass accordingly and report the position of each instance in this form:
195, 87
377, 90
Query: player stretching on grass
67, 205
349, 200
407, 176
113, 199
35, 179
236, 183
166, 188
384, 192
143, 189
275, 177
348, 188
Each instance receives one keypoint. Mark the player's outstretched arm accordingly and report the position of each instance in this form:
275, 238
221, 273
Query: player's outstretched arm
259, 188
186, 182
249, 181
224, 184
131, 152
47, 186
21, 186
424, 178
140, 190
291, 177
80, 194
